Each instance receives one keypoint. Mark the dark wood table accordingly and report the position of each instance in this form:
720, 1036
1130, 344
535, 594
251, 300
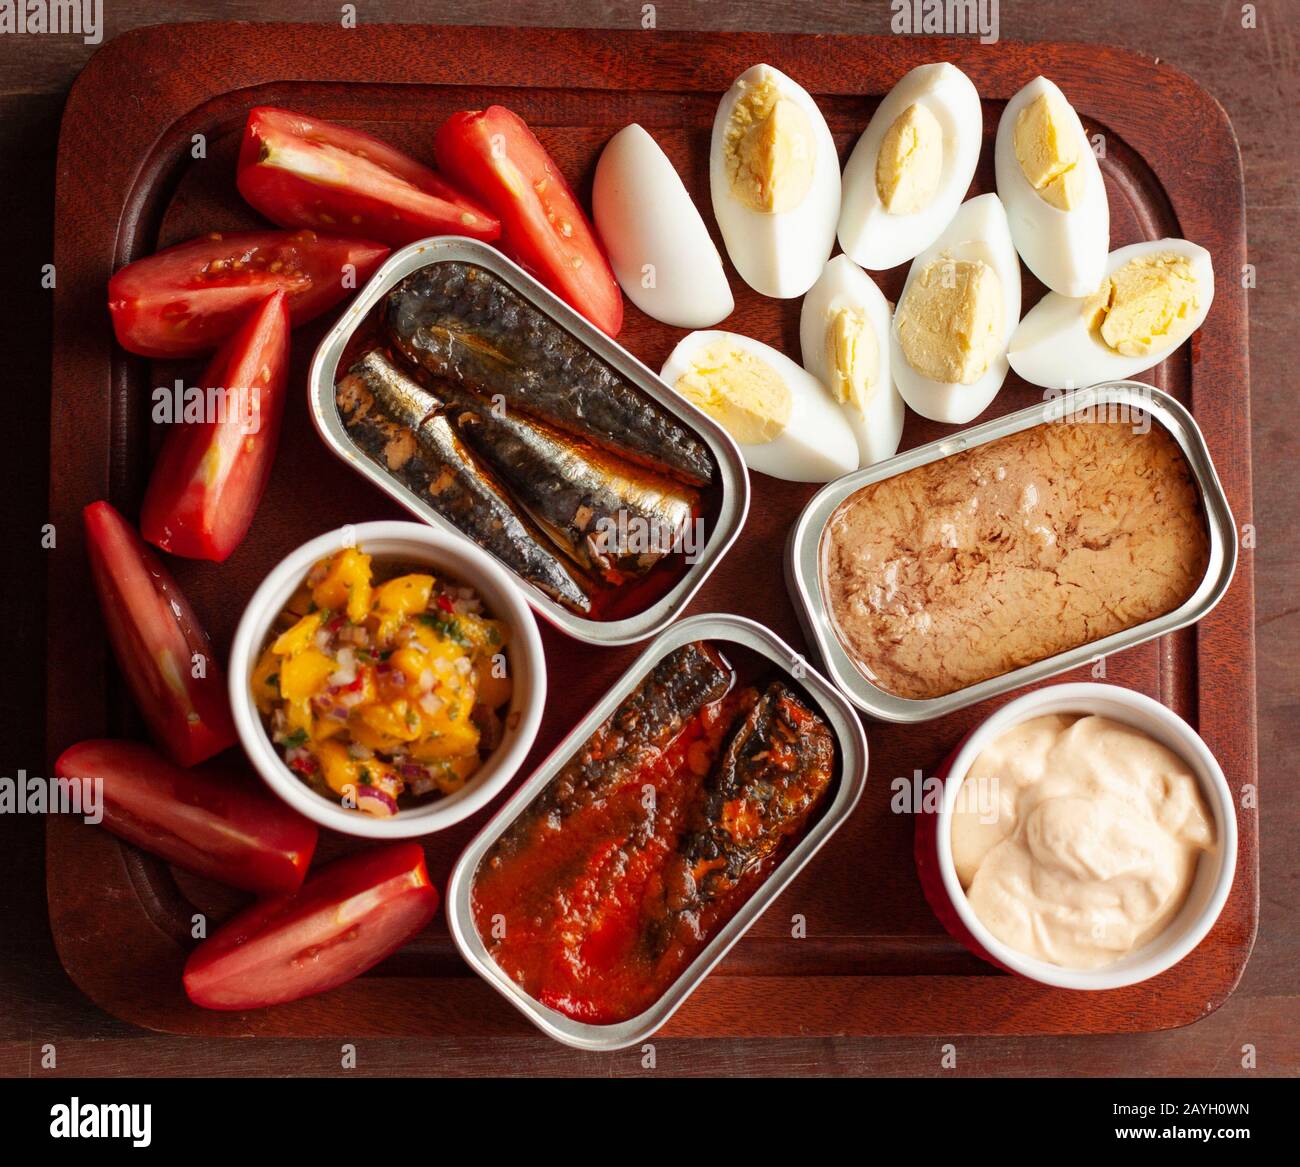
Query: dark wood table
1254, 72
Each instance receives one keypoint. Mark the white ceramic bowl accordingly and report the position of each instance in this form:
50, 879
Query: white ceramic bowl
1209, 891
447, 555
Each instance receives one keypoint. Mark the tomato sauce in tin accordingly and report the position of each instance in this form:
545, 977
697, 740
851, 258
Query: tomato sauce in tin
651, 837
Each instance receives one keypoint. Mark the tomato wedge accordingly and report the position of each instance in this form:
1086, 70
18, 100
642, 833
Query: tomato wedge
189, 298
158, 642
495, 156
346, 919
211, 473
220, 825
300, 171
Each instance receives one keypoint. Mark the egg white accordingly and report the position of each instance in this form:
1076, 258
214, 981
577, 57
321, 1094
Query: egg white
977, 231
878, 424
1064, 249
779, 255
816, 445
1053, 346
871, 236
645, 216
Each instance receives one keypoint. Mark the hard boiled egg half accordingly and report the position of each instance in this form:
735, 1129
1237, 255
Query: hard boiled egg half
658, 245
781, 417
912, 166
1152, 297
956, 315
844, 334
775, 180
1052, 189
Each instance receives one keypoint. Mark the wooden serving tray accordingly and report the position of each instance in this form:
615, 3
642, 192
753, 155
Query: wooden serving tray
874, 960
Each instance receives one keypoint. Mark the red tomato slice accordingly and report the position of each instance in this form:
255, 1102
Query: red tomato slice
158, 642
346, 919
495, 156
189, 298
210, 474
219, 825
303, 172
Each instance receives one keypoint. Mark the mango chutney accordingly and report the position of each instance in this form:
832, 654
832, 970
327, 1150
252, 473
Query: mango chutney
382, 692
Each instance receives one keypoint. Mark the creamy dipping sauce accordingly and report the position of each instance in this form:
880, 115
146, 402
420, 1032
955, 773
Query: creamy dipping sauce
1076, 838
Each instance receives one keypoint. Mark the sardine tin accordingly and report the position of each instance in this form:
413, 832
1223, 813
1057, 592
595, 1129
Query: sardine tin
473, 487
463, 325
850, 742
522, 449
803, 549
733, 477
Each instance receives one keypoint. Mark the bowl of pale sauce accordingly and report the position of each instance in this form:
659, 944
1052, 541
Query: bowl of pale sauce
1086, 839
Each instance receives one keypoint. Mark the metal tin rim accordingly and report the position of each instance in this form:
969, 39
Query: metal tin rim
803, 550
733, 476
850, 740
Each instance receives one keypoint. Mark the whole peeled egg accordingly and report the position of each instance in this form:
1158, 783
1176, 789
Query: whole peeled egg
911, 167
844, 336
779, 414
1051, 185
657, 242
1152, 297
956, 315
774, 178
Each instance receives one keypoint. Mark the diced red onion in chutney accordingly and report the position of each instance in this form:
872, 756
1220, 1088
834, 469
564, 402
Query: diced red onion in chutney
376, 802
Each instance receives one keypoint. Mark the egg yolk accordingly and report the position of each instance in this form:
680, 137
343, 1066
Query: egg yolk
1147, 304
950, 321
910, 162
739, 390
852, 356
769, 150
1050, 152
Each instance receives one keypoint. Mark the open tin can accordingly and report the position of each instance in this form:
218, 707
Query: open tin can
732, 477
804, 549
848, 783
